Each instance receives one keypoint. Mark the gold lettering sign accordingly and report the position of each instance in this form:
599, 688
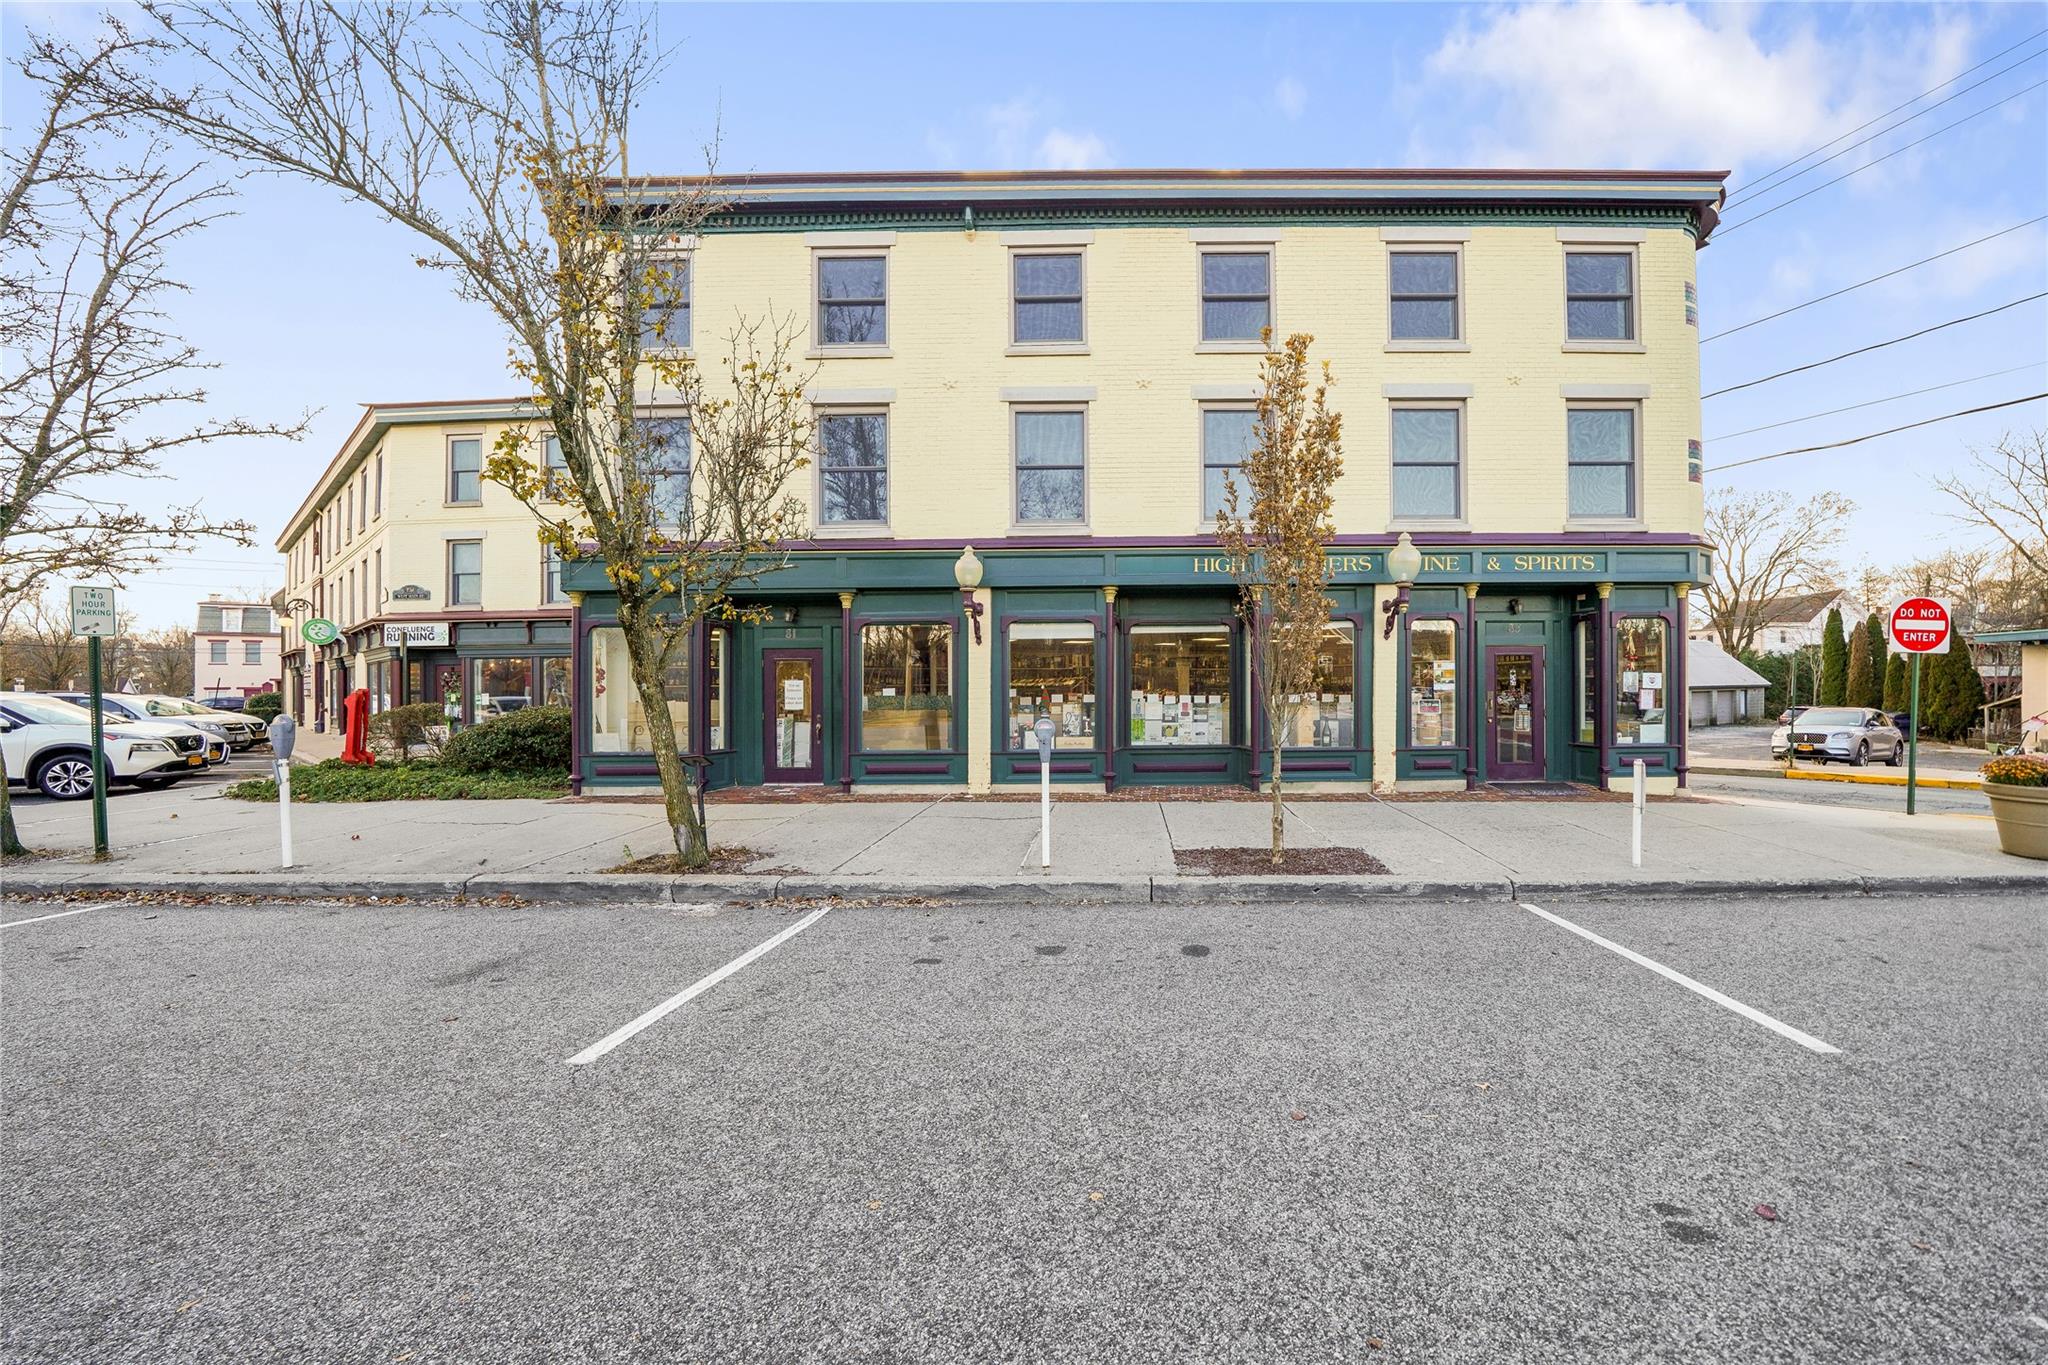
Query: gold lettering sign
1557, 563
1345, 563
1442, 563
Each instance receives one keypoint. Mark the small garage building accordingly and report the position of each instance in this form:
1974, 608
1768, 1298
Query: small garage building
1721, 689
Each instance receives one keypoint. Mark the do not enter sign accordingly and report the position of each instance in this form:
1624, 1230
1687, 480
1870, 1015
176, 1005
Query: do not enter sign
1920, 625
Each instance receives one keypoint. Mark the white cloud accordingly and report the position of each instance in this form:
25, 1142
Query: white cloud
1018, 136
1060, 150
1290, 97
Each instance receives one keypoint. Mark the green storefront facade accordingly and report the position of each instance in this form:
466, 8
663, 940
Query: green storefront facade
870, 666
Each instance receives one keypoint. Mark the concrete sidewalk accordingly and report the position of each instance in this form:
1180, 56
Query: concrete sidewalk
958, 848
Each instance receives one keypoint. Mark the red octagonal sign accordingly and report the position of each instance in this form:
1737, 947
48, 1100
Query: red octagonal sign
1920, 625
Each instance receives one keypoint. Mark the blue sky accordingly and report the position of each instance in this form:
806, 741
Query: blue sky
310, 302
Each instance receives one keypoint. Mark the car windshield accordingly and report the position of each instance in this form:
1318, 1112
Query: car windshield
171, 706
1824, 715
49, 711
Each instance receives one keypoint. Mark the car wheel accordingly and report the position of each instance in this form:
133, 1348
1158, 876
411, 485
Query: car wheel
1862, 753
67, 777
151, 784
1898, 756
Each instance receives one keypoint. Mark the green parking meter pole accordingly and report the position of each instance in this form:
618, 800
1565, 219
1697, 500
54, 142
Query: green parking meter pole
99, 751
1913, 738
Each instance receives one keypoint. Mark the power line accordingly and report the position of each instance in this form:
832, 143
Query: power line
1918, 113
1857, 440
1787, 203
1872, 280
1875, 346
1875, 402
1895, 108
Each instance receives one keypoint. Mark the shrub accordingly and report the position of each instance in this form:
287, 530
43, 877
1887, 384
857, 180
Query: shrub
533, 739
403, 731
2017, 770
264, 706
334, 780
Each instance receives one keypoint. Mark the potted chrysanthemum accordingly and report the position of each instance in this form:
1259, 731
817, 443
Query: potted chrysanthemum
2018, 787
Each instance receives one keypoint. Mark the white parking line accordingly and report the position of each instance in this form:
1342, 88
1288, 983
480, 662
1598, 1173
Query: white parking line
676, 1002
1805, 1040
17, 923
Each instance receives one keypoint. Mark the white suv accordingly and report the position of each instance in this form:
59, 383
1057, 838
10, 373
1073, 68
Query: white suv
190, 737
48, 744
240, 731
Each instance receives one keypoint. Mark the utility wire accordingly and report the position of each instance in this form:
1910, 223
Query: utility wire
1857, 440
1917, 113
1875, 346
1894, 109
1907, 147
1872, 280
1875, 402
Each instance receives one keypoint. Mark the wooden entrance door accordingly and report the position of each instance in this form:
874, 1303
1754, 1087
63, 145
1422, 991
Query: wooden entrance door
1514, 713
792, 720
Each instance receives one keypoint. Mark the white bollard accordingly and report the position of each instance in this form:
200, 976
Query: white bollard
1636, 841
284, 807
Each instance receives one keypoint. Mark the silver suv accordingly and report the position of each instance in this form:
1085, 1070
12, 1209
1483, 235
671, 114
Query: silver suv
240, 731
1843, 734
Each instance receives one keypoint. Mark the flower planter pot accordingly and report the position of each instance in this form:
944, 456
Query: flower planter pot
2022, 817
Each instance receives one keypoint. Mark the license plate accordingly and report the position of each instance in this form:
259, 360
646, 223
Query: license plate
194, 760
1804, 748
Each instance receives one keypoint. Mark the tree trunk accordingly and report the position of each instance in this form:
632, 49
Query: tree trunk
678, 791
1279, 811
10, 839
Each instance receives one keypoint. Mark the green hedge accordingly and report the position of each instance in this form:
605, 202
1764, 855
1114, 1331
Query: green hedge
533, 739
424, 781
264, 706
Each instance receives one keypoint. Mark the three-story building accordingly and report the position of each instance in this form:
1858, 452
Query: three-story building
1060, 369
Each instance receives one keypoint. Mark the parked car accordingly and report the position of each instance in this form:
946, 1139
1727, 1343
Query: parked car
198, 746
241, 732
48, 745
1791, 713
1844, 734
236, 704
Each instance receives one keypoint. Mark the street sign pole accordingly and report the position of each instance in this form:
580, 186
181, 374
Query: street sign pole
99, 751
1913, 738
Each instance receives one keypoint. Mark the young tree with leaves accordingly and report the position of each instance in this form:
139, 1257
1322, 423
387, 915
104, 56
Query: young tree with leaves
1273, 527
500, 135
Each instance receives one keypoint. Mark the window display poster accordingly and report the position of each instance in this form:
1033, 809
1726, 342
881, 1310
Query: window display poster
1651, 732
1653, 681
793, 694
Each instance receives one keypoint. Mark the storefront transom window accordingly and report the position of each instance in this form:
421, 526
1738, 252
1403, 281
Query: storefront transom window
1052, 673
906, 687
1180, 685
1433, 684
1639, 662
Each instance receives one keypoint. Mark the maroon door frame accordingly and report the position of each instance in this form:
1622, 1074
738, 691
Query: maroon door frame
1497, 771
771, 710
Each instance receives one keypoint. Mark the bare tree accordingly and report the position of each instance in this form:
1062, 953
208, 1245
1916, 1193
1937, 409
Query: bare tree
498, 133
1765, 545
163, 662
2007, 494
40, 649
1275, 541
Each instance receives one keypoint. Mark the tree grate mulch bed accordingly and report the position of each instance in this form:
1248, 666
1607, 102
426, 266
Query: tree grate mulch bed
1294, 862
727, 861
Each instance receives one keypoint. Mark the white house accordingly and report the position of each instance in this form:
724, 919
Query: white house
234, 649
1789, 622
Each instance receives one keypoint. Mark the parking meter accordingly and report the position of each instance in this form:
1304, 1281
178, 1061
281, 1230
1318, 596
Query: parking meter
284, 733
1043, 731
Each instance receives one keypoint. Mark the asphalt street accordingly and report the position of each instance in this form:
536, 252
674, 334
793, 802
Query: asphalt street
1949, 801
1411, 1132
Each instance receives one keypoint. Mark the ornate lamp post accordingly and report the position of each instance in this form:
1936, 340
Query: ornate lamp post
967, 573
1404, 562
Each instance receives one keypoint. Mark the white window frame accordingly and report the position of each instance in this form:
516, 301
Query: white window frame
1459, 340
1076, 249
688, 257
448, 498
671, 412
1634, 407
1208, 246
448, 570
551, 591
1619, 245
823, 528
1018, 523
1459, 519
856, 251
1203, 408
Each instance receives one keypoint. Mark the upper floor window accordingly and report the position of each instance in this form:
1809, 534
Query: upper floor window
348, 526
1428, 442
380, 483
853, 468
252, 651
1228, 435
257, 619
665, 308
1601, 461
465, 573
466, 469
551, 576
1046, 303
1423, 286
1237, 294
665, 461
217, 651
853, 300
555, 467
363, 500
1052, 474
1599, 296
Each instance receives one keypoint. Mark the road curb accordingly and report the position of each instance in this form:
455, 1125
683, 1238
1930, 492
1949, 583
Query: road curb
1318, 890
1666, 888
998, 890
1813, 775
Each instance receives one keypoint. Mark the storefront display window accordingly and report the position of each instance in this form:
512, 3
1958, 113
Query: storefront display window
906, 687
499, 686
1324, 717
716, 684
1433, 684
1639, 663
1180, 685
1052, 672
554, 682
618, 724
380, 686
1589, 680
